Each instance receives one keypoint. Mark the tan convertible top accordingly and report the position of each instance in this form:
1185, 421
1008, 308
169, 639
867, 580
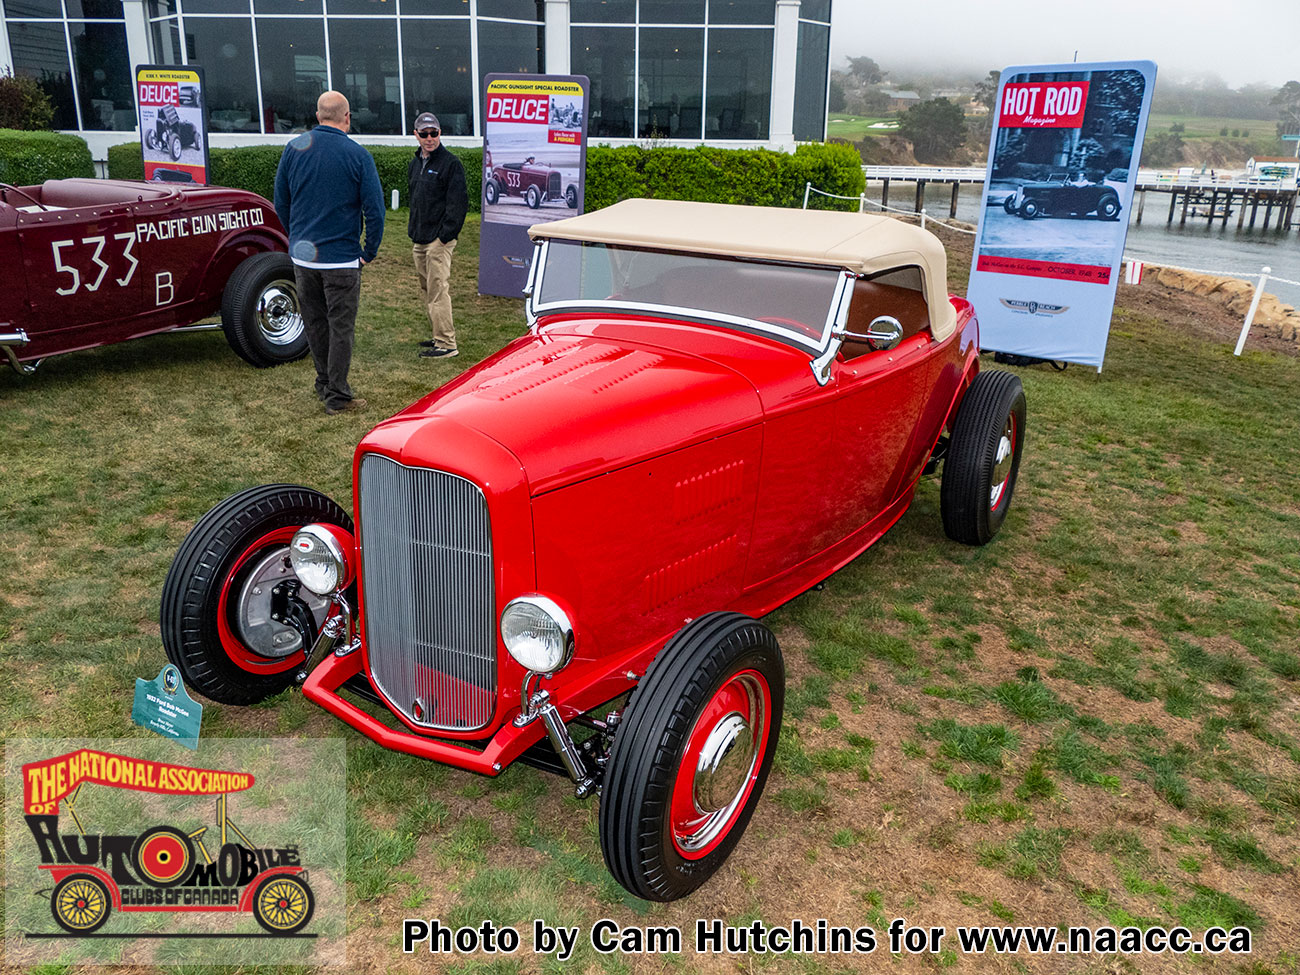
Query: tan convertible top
862, 243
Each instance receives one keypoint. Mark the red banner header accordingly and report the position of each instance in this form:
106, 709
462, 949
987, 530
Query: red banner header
1044, 269
45, 783
535, 109
1044, 105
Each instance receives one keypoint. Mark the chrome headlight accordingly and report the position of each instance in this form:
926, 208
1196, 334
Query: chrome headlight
537, 633
317, 557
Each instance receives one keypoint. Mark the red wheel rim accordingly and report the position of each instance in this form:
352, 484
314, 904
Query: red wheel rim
164, 858
1002, 461
240, 655
720, 765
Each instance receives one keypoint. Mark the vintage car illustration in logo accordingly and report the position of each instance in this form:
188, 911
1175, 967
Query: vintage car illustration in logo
111, 260
561, 556
536, 182
161, 868
1061, 195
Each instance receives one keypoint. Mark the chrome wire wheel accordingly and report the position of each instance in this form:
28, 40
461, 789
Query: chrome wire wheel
277, 313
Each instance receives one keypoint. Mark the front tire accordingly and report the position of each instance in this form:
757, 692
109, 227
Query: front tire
490, 192
692, 756
283, 903
979, 476
80, 903
533, 197
175, 147
215, 614
1009, 204
260, 313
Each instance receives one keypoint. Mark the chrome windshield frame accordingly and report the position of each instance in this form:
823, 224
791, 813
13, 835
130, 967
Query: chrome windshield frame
835, 314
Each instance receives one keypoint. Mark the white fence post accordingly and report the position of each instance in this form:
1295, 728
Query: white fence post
1254, 306
862, 202
807, 188
922, 218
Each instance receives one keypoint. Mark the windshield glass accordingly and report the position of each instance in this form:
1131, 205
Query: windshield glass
789, 302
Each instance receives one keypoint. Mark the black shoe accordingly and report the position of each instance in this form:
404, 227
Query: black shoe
349, 406
436, 353
429, 344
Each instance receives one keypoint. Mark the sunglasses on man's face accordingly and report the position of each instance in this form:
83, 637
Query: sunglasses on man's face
430, 134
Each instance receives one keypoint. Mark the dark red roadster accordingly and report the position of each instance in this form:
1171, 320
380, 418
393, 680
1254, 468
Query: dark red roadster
561, 556
104, 261
536, 182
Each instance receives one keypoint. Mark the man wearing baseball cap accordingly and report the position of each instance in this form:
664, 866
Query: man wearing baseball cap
439, 201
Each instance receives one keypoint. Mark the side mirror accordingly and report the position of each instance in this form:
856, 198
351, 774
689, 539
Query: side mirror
884, 332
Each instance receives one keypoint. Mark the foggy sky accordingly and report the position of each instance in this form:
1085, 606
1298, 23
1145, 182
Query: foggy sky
1242, 41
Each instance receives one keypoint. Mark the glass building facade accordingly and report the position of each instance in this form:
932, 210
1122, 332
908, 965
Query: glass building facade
688, 70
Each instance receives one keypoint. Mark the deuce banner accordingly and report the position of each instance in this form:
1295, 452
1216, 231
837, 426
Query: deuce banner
1062, 168
173, 122
534, 165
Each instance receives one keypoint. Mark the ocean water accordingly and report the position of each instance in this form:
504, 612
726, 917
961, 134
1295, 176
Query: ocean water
1219, 249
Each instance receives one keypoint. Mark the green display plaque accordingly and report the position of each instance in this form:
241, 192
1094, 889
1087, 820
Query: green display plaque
162, 705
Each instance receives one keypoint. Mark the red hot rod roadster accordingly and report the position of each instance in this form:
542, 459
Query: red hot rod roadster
715, 408
104, 261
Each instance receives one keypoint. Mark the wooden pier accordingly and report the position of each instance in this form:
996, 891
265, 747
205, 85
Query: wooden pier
1202, 196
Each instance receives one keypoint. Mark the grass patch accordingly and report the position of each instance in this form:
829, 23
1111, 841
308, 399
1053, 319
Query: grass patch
983, 743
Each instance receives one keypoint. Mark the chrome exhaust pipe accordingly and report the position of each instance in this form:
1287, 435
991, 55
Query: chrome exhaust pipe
17, 338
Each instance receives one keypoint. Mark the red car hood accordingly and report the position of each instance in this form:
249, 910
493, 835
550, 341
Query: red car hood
572, 406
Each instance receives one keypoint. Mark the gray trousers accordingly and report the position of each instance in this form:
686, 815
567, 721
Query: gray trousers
328, 300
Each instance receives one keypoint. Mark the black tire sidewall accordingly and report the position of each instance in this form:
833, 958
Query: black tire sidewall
968, 469
191, 599
1029, 209
635, 811
239, 311
490, 192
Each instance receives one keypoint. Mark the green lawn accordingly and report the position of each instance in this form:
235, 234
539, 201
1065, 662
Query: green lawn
856, 127
1095, 719
1210, 127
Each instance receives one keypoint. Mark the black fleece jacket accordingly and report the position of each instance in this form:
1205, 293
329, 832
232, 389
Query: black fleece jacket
439, 201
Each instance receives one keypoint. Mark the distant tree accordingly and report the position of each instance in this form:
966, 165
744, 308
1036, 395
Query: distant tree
24, 104
935, 128
1178, 127
1224, 131
836, 100
986, 91
1287, 102
865, 71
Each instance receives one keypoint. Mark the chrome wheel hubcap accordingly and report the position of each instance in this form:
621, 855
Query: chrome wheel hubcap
277, 313
1002, 462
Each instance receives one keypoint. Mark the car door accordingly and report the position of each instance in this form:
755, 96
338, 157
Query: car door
82, 262
879, 397
14, 293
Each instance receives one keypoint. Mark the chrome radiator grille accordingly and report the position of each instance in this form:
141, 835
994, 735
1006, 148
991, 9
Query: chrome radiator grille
426, 560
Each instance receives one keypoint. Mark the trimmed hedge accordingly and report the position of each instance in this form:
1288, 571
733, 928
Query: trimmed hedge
27, 158
253, 168
758, 177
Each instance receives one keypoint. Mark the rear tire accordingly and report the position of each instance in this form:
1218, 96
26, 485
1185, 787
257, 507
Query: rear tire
214, 616
692, 756
80, 903
1108, 209
260, 313
979, 475
1029, 210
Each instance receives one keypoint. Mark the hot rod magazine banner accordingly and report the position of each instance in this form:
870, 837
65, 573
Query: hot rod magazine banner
173, 122
1063, 163
534, 168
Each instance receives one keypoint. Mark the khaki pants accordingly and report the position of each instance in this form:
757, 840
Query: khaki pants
433, 269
